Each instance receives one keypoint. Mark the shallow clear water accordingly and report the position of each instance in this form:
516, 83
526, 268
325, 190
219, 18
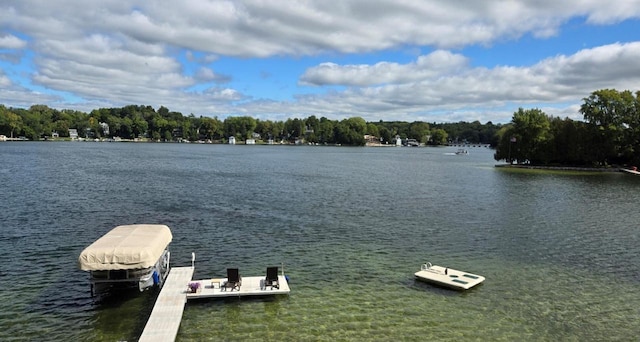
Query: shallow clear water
351, 226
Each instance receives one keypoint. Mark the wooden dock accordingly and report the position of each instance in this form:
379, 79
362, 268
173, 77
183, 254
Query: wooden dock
164, 322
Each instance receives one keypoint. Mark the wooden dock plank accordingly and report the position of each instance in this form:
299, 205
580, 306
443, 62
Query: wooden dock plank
164, 322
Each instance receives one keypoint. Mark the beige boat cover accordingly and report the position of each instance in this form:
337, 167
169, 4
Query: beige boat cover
126, 247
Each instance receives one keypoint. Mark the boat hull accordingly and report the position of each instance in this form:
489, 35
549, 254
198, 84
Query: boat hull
633, 172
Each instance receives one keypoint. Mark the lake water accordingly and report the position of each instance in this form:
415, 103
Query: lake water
351, 225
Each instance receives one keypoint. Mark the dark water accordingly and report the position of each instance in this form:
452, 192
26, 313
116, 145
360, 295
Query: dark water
351, 225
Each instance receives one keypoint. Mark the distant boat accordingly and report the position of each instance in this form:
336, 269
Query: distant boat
462, 151
412, 143
633, 171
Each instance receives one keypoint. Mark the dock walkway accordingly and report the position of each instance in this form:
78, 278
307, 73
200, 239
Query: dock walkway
165, 318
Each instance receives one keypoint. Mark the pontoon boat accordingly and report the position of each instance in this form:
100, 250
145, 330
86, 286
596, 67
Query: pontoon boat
128, 256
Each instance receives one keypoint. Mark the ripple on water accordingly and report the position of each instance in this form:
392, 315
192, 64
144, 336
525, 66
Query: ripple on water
351, 227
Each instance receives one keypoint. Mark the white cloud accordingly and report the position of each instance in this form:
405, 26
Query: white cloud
558, 79
14, 95
609, 66
256, 28
118, 52
11, 42
208, 75
433, 65
5, 82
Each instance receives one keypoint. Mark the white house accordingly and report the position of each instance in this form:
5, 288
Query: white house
105, 128
73, 134
232, 140
250, 142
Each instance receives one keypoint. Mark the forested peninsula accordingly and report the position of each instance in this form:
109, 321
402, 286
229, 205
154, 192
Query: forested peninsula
608, 135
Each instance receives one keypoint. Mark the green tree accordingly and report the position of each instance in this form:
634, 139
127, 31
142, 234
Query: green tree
526, 139
351, 131
608, 112
277, 130
211, 127
9, 122
373, 130
385, 134
168, 136
294, 129
325, 131
312, 123
439, 137
139, 126
419, 130
126, 129
506, 148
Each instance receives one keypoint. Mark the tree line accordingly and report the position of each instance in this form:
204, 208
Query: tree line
609, 134
136, 121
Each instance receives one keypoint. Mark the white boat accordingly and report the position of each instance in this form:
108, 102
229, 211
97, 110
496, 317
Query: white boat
633, 171
412, 143
130, 256
462, 151
448, 277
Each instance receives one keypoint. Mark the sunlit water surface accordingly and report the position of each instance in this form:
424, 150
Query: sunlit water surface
351, 226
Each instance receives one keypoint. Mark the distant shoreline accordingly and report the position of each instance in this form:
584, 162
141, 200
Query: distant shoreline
559, 168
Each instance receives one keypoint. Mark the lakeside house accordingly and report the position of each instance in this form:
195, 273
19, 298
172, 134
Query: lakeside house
105, 128
250, 142
73, 134
3, 137
232, 140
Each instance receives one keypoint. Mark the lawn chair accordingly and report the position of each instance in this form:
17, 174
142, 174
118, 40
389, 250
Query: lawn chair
272, 278
234, 280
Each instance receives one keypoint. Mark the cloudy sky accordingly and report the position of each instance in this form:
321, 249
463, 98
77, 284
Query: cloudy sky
408, 60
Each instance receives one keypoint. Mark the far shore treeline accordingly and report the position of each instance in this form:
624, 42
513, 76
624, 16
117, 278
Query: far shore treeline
40, 122
609, 134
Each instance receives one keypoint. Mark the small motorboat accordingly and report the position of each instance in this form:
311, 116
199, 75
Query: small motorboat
633, 171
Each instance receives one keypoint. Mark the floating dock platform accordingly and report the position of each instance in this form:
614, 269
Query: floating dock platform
164, 322
448, 277
251, 286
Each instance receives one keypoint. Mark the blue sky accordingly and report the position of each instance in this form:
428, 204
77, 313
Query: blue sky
434, 61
